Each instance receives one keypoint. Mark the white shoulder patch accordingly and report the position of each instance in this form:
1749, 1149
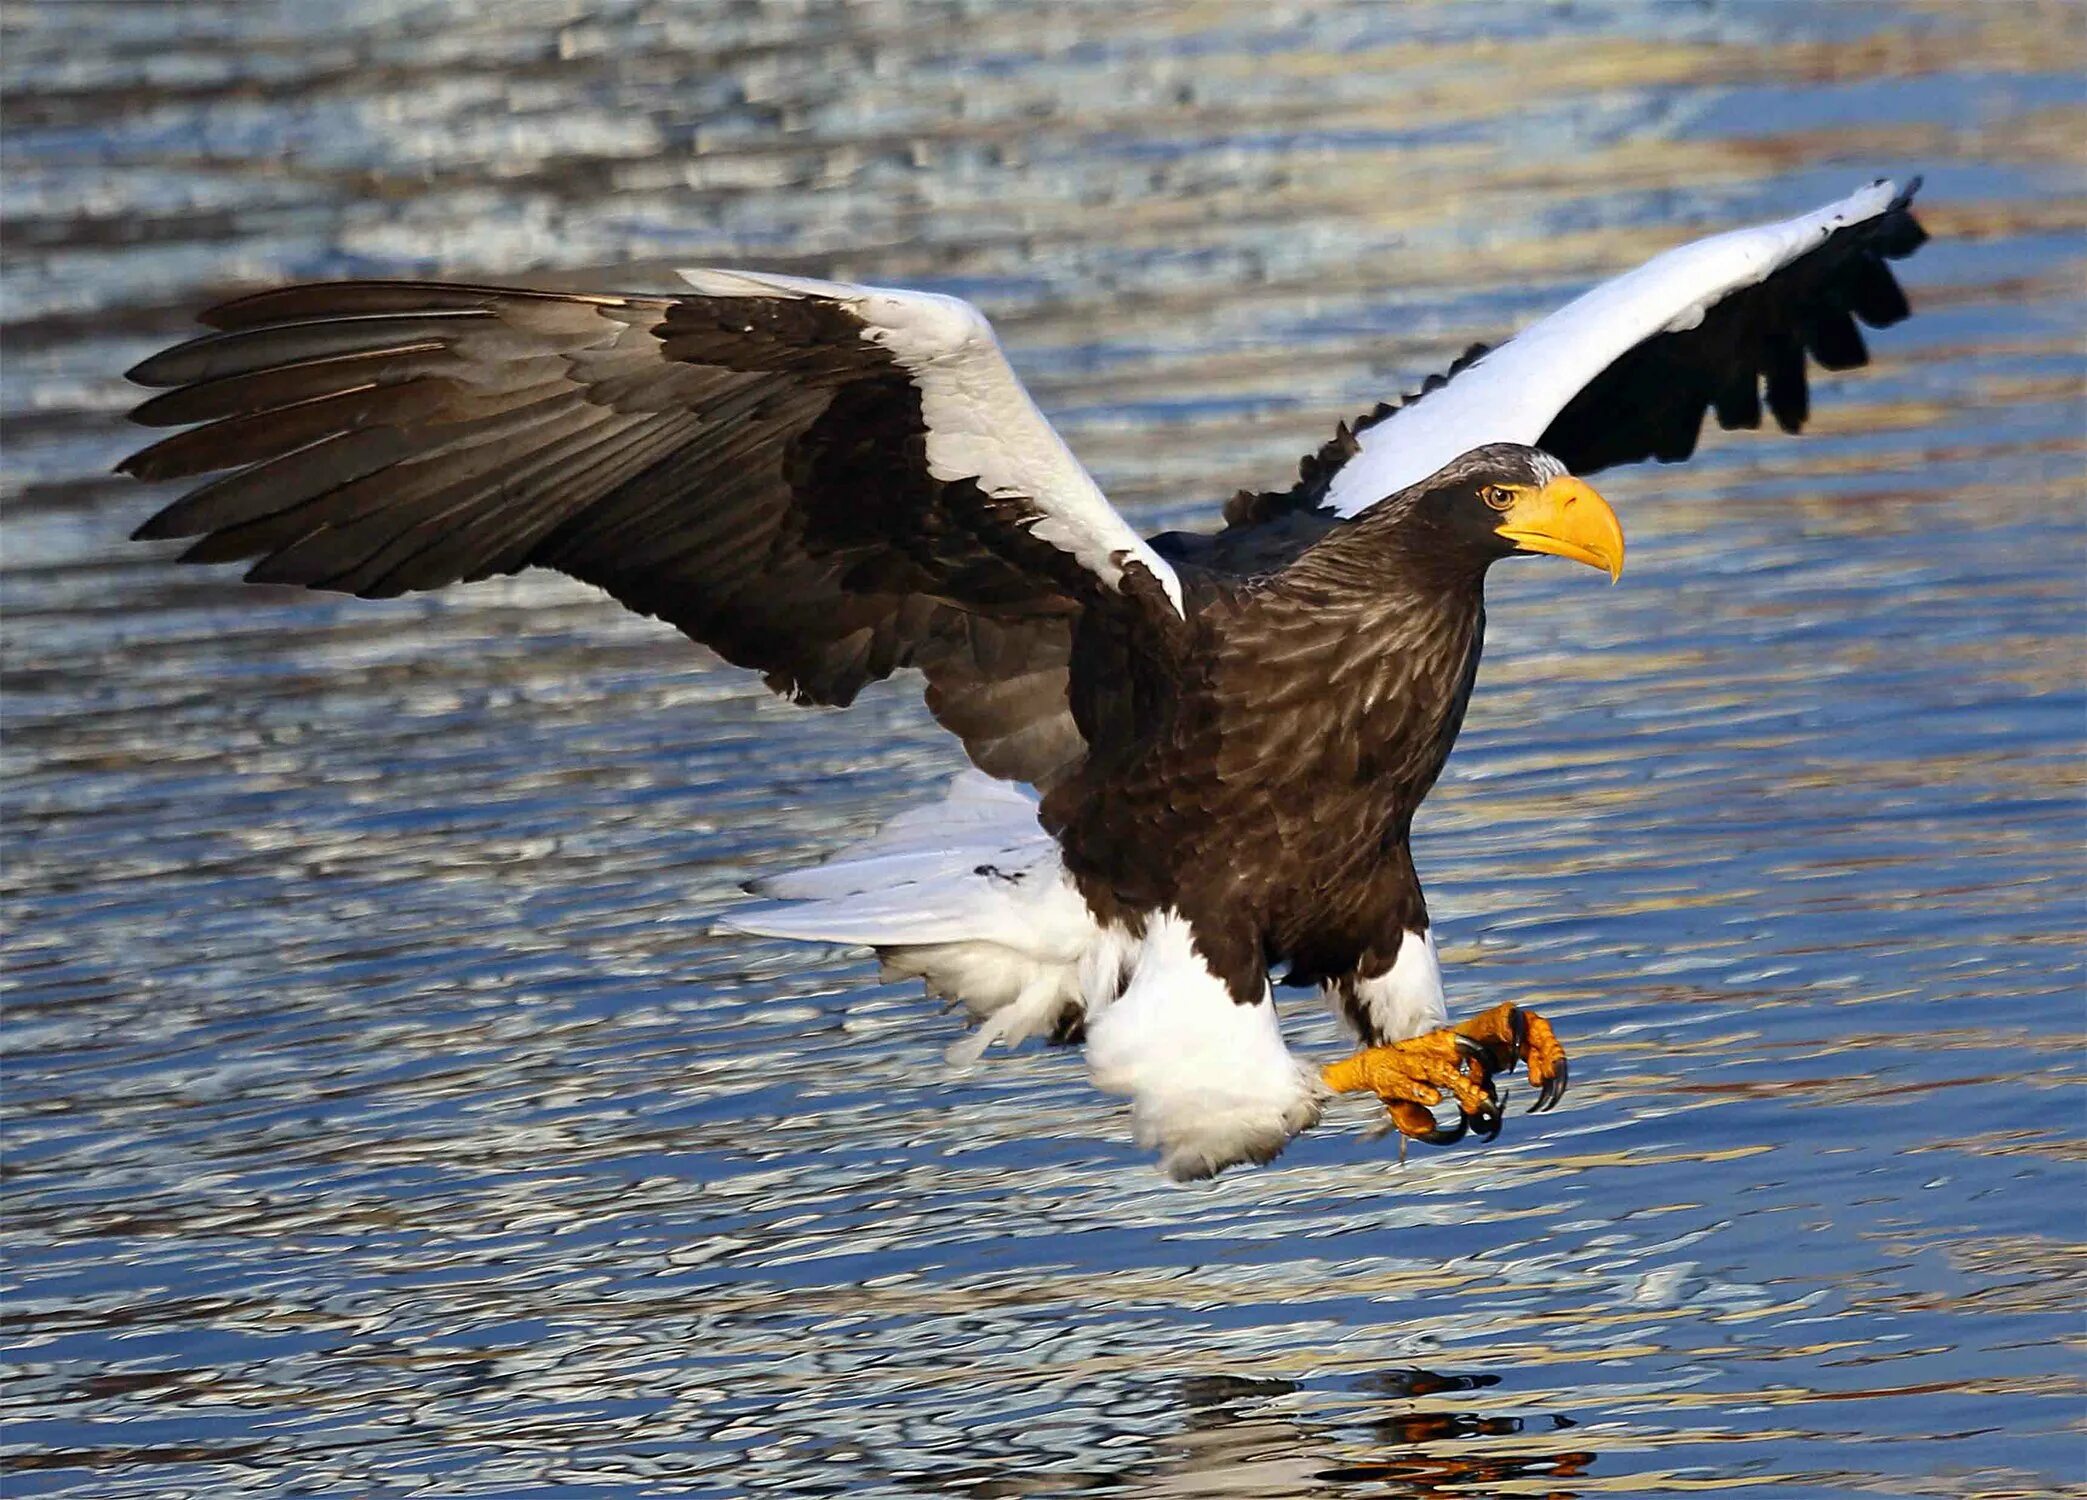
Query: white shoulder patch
1511, 394
981, 423
1210, 1082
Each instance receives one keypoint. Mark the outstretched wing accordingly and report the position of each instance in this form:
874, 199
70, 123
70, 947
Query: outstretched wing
1627, 371
825, 483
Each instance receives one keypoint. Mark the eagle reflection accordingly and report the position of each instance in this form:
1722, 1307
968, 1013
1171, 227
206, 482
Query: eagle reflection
1409, 1444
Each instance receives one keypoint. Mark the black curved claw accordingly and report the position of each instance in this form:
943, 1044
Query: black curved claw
1553, 1090
1519, 1025
1469, 1046
1446, 1135
1487, 1122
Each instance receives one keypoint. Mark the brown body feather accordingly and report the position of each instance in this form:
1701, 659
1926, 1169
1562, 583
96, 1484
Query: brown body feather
1269, 798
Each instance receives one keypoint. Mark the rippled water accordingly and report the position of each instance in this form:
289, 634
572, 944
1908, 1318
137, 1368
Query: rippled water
385, 1117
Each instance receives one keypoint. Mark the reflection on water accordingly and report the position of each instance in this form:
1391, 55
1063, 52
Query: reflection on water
385, 1116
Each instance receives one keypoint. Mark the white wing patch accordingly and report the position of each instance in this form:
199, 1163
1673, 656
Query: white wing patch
1210, 1082
1512, 394
981, 423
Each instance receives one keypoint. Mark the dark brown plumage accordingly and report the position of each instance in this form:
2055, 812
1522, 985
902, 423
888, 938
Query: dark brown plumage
388, 437
1271, 797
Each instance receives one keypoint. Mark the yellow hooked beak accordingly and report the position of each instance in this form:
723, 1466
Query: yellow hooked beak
1566, 519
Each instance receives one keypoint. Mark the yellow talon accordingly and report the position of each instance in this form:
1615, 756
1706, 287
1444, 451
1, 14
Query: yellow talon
1413, 1074
1459, 1061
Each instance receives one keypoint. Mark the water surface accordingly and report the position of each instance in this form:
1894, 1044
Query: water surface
386, 1117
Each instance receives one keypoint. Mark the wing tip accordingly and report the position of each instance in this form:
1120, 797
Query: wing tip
156, 371
1889, 226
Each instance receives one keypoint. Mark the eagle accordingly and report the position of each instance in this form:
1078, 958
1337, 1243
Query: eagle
1197, 756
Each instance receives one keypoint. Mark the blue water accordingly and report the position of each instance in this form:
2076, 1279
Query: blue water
386, 1118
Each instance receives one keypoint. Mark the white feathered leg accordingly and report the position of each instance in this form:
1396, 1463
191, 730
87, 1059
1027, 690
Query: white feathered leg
1210, 1082
1404, 1001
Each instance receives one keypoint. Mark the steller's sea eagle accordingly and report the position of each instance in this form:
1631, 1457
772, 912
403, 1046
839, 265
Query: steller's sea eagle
1201, 755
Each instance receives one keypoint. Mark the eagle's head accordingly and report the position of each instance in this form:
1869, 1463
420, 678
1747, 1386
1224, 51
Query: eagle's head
1503, 499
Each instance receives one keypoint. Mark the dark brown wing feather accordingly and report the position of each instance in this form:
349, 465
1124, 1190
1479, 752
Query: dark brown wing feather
750, 470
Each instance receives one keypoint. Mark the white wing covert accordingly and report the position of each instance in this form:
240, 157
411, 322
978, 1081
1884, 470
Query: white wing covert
981, 423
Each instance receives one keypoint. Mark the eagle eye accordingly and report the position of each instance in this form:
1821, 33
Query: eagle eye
1498, 496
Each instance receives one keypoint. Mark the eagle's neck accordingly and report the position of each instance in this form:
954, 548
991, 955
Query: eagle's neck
1357, 679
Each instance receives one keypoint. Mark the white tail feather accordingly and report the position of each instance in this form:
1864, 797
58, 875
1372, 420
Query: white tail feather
968, 894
